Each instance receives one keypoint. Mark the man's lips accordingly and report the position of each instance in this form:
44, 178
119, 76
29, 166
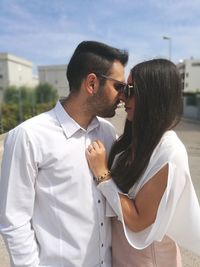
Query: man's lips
117, 104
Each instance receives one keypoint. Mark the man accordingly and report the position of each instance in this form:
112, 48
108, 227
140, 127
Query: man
51, 213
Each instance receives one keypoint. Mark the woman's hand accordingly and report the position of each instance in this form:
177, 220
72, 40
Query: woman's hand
97, 160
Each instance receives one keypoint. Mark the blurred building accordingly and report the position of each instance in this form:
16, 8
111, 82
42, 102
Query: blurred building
15, 71
56, 76
190, 74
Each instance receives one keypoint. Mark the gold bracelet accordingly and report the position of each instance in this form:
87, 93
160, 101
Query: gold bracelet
103, 177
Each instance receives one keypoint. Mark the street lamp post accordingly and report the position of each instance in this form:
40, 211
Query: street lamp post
20, 105
169, 39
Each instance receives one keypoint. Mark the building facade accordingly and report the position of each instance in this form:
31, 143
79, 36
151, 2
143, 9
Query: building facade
56, 76
190, 74
15, 71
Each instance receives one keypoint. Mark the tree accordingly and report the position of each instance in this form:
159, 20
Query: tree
46, 93
11, 95
21, 103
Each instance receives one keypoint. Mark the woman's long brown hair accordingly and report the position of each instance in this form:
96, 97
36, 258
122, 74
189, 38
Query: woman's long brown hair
158, 108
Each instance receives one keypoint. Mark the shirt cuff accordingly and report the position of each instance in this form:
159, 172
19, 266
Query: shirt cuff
111, 193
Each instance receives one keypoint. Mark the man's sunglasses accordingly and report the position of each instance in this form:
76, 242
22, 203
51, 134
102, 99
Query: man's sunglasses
120, 87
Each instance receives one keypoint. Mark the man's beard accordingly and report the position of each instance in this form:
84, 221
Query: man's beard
101, 105
106, 111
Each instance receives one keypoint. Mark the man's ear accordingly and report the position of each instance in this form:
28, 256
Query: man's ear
91, 83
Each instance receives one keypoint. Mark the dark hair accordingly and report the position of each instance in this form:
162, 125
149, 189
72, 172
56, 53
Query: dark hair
158, 108
92, 57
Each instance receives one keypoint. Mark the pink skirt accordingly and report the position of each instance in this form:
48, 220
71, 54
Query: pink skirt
159, 254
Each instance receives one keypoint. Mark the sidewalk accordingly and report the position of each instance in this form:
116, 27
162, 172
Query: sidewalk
189, 133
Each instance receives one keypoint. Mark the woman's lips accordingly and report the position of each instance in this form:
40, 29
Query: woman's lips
127, 109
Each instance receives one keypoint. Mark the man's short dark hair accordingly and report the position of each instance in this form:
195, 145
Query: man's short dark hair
92, 57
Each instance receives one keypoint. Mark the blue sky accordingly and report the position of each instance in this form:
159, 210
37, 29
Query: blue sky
47, 31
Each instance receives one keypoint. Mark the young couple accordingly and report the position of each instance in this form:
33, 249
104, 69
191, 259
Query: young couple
66, 182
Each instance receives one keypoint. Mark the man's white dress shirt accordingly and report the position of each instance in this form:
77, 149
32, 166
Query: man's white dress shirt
51, 212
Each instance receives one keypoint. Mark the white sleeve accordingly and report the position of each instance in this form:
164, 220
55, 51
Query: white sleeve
18, 173
165, 213
178, 214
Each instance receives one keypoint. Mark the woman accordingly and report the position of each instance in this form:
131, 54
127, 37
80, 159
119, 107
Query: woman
147, 181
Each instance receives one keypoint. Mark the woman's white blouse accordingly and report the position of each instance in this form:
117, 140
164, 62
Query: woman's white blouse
178, 214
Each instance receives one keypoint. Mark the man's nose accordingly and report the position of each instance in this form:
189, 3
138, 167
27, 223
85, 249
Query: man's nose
122, 96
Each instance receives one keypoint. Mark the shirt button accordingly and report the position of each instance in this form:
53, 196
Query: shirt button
101, 224
101, 262
102, 245
94, 178
99, 201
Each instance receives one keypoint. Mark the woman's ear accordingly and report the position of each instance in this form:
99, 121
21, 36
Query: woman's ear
91, 83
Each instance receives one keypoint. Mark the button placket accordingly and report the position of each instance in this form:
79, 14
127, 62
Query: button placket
101, 215
100, 206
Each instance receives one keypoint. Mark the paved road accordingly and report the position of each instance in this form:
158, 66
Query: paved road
189, 133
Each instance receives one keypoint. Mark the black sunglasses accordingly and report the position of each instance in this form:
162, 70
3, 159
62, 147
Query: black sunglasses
120, 87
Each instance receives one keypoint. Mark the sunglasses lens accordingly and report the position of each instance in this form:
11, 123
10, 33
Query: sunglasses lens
128, 91
120, 88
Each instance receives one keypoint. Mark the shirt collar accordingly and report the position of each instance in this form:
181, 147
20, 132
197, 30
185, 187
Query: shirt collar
69, 125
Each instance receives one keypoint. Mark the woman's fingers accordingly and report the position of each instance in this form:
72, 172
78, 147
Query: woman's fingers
100, 144
96, 157
90, 147
96, 146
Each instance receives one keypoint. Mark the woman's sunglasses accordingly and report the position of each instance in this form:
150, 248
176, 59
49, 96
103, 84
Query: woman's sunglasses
121, 87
